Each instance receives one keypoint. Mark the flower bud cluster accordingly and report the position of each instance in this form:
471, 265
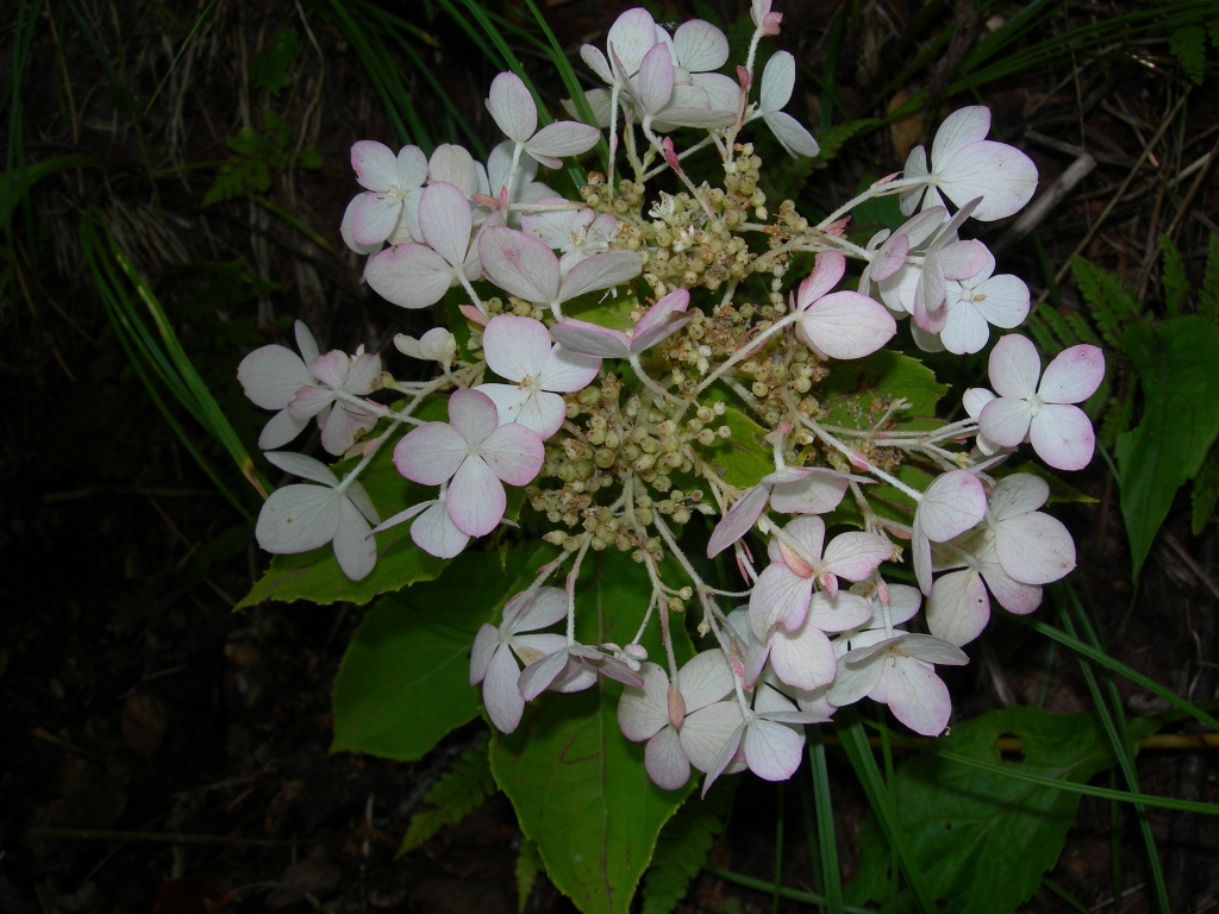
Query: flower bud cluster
647, 367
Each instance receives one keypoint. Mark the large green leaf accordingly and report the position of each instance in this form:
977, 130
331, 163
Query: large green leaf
316, 576
983, 840
1176, 363
405, 679
857, 393
579, 787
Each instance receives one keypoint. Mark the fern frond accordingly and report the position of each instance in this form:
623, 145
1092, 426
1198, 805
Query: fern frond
460, 791
1208, 304
685, 842
1188, 45
528, 866
1173, 276
1113, 305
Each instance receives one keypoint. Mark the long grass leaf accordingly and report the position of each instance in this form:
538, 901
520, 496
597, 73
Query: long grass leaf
859, 753
759, 885
1113, 719
1121, 669
827, 837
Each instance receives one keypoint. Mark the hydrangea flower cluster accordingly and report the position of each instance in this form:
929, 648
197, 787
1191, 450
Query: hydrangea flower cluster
615, 350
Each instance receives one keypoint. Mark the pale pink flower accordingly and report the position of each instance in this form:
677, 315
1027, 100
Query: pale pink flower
519, 350
764, 20
953, 503
839, 325
477, 453
1060, 432
301, 517
778, 81
394, 184
575, 234
660, 321
978, 301
418, 275
781, 596
525, 267
493, 661
657, 711
790, 490
271, 376
515, 112
965, 165
1017, 550
340, 419
899, 671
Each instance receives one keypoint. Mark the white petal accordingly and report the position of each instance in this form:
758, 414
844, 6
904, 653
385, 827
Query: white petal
1003, 176
500, 692
519, 264
778, 80
446, 221
705, 732
791, 134
602, 271
271, 376
298, 518
355, 550
375, 165
917, 697
1073, 375
1005, 421
1014, 366
1062, 436
409, 275
772, 750
512, 107
665, 761
303, 466
435, 533
705, 678
516, 347
476, 498
958, 607
700, 46
959, 129
1034, 548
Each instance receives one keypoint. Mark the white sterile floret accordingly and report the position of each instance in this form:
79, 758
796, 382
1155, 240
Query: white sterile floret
657, 712
418, 275
965, 165
575, 233
976, 302
271, 376
839, 325
493, 661
516, 114
1043, 410
340, 376
437, 345
386, 210
525, 267
519, 350
778, 81
301, 517
477, 453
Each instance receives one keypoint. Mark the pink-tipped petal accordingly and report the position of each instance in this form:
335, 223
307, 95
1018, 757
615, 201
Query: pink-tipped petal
519, 264
445, 220
1074, 375
431, 453
1005, 421
409, 275
476, 498
952, 504
514, 453
1034, 548
375, 165
601, 271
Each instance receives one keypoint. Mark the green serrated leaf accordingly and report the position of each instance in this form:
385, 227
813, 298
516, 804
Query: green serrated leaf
857, 393
1205, 494
983, 840
1208, 306
683, 848
1174, 277
1188, 45
405, 679
316, 576
460, 791
528, 868
270, 66
1176, 364
579, 787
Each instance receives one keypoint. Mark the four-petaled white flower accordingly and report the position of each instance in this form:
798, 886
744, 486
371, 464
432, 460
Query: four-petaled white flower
965, 165
516, 114
417, 275
386, 211
477, 453
778, 81
657, 712
497, 649
339, 374
519, 350
301, 517
1059, 431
